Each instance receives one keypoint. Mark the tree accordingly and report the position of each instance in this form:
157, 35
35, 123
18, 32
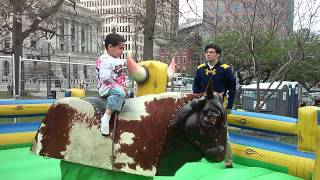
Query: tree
155, 20
260, 43
23, 18
307, 73
148, 31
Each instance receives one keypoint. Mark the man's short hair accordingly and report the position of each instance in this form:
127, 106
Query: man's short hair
213, 46
113, 39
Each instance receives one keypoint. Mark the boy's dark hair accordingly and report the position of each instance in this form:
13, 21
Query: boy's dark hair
213, 46
113, 39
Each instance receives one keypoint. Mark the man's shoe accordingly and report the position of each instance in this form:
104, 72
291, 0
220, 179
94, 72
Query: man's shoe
228, 165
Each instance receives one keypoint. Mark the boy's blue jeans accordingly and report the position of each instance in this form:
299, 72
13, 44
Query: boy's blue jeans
115, 98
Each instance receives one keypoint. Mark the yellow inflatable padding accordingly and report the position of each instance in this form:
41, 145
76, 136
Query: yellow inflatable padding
17, 138
24, 109
317, 163
308, 128
261, 123
157, 82
75, 92
297, 166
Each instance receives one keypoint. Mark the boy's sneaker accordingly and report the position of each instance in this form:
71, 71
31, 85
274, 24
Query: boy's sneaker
104, 127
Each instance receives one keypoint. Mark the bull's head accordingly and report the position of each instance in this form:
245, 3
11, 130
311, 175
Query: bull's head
203, 124
206, 126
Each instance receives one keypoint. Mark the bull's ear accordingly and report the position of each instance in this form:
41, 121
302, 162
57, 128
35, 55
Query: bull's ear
198, 103
209, 90
220, 95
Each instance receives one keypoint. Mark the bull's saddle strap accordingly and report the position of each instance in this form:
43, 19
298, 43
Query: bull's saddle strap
113, 137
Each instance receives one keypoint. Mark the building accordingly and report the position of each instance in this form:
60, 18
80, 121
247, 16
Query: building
188, 47
222, 15
77, 39
125, 17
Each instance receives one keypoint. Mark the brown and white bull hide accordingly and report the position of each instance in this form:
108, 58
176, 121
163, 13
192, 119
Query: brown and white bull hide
70, 131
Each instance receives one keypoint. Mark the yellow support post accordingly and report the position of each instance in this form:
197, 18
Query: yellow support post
316, 175
308, 128
157, 82
75, 92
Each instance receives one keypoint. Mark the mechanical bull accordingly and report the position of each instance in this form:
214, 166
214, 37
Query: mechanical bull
151, 133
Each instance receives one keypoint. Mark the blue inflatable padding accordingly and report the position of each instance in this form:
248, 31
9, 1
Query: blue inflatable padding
19, 127
265, 116
269, 145
22, 115
261, 130
31, 101
67, 93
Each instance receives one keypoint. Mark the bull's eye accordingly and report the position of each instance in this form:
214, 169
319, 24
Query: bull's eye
212, 119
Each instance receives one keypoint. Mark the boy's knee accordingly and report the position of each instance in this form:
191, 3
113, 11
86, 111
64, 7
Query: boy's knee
122, 93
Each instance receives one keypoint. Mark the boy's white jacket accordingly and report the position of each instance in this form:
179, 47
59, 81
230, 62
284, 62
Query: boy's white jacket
110, 73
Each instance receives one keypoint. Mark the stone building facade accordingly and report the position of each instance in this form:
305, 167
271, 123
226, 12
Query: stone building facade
125, 17
77, 40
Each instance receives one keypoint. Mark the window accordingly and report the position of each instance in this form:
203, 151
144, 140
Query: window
227, 19
33, 44
75, 71
73, 34
7, 44
62, 30
62, 47
196, 58
85, 71
6, 68
72, 47
184, 60
236, 8
83, 36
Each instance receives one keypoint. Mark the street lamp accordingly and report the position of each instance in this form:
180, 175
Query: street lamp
69, 79
49, 72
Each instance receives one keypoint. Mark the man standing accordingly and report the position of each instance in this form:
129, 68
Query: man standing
223, 82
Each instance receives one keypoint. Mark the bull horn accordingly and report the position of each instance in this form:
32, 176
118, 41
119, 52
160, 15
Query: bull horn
171, 69
137, 72
209, 90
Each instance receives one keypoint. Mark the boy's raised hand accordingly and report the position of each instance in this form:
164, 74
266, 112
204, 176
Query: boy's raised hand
129, 54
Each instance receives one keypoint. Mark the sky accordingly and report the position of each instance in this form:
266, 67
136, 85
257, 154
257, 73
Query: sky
193, 9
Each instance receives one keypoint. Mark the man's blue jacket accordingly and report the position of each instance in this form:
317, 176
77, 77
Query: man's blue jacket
222, 78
